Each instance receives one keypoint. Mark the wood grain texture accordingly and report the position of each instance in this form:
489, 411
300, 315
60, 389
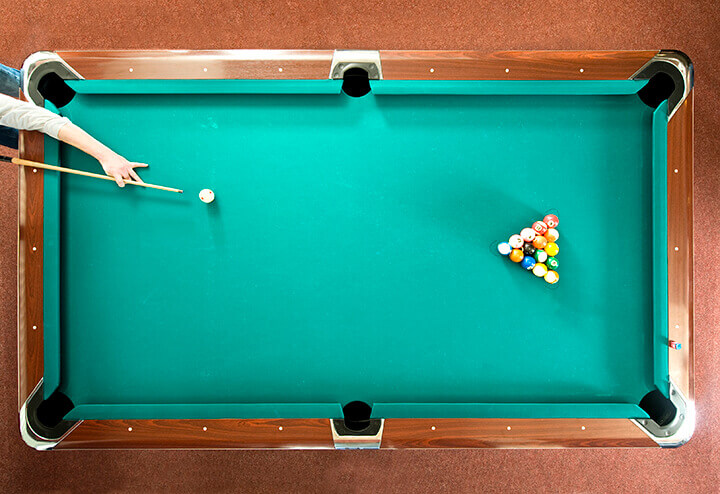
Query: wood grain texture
315, 64
513, 65
513, 433
680, 236
315, 433
200, 64
30, 267
201, 434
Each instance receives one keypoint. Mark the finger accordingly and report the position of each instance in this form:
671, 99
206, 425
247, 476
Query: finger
119, 179
135, 176
139, 165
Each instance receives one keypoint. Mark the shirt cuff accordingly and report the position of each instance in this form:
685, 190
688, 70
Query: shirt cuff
52, 127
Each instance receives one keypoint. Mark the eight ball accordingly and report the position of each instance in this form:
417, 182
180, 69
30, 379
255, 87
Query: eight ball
529, 249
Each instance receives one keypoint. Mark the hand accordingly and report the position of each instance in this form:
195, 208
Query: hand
121, 169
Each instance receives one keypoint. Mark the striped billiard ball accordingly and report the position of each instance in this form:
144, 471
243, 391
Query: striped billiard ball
552, 235
504, 248
516, 241
527, 234
540, 227
552, 277
540, 270
541, 255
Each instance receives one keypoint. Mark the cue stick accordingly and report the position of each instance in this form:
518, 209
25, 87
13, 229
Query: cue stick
35, 164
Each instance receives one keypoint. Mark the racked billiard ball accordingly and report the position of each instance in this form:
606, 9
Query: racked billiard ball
529, 249
516, 241
552, 235
540, 255
528, 234
540, 242
516, 255
540, 270
527, 263
552, 263
552, 249
551, 221
540, 227
504, 248
552, 277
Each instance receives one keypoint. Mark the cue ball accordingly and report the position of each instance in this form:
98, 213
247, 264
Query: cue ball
207, 196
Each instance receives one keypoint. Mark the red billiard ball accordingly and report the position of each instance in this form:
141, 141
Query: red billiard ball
551, 221
540, 227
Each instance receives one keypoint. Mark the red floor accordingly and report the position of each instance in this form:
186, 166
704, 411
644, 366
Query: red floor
693, 27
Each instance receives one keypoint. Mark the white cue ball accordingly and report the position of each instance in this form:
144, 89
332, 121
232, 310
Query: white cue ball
207, 196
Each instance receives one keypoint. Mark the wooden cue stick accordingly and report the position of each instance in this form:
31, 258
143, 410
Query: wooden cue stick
35, 164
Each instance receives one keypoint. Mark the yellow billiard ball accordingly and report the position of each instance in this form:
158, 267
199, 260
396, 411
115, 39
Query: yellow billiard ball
552, 249
540, 270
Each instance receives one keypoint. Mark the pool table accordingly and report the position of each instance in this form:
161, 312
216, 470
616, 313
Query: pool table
344, 289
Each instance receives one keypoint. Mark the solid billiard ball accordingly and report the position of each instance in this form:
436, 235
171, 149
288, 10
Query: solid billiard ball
516, 241
516, 255
207, 196
540, 242
551, 221
540, 227
540, 270
541, 255
552, 263
552, 249
529, 249
504, 248
527, 234
552, 277
527, 263
552, 235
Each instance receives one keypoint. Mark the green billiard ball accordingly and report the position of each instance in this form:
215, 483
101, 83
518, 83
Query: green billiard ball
540, 255
552, 263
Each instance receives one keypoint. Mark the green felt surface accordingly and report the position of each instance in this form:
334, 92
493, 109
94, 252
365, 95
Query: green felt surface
349, 254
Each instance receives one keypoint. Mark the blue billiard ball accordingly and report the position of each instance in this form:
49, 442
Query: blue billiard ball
528, 262
504, 248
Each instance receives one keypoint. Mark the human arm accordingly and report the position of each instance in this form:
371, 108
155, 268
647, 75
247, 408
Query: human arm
26, 116
114, 165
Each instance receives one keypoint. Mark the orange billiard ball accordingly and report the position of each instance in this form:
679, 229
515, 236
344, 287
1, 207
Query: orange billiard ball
552, 277
540, 242
552, 235
517, 255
